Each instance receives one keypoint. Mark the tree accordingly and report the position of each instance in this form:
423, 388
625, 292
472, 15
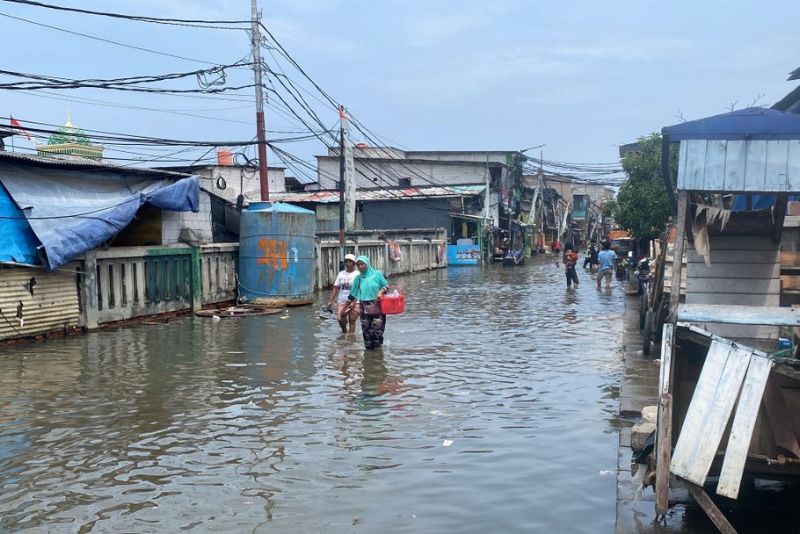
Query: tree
642, 206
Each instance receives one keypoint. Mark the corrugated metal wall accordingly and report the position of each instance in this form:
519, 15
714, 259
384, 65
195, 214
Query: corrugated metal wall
47, 302
734, 166
400, 214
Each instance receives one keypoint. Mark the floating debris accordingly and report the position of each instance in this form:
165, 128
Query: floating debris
235, 312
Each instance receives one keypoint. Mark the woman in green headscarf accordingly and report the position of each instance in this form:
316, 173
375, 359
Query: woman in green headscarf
368, 288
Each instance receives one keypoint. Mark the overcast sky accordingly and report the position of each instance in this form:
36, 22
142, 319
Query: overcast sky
580, 76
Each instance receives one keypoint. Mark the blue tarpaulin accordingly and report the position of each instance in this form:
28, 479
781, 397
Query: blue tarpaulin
18, 243
759, 202
749, 123
72, 211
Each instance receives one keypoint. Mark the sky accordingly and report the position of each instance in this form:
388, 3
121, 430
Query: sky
580, 76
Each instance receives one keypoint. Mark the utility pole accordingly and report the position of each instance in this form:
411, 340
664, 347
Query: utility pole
262, 136
342, 140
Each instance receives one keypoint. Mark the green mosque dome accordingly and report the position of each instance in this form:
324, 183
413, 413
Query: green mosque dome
69, 134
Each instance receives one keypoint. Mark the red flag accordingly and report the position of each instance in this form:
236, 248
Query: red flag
16, 124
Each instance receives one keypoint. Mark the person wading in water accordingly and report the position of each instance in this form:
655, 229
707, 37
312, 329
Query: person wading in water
368, 288
341, 289
570, 260
607, 258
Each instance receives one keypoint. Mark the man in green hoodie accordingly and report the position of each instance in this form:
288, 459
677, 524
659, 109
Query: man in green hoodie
368, 288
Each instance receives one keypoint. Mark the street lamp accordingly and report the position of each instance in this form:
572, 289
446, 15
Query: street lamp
531, 148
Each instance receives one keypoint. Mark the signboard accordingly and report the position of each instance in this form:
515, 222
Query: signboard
349, 175
463, 254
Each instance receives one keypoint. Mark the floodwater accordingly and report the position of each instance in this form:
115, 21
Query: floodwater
492, 408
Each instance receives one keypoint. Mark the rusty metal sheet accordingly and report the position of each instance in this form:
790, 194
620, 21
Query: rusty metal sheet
51, 305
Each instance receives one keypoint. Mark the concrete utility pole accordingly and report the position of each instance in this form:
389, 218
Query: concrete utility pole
262, 136
342, 141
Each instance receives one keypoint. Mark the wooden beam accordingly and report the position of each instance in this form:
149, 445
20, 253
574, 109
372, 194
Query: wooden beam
664, 425
738, 314
778, 216
663, 453
744, 421
677, 255
711, 510
709, 411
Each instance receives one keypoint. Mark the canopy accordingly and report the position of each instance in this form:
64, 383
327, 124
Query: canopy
72, 211
749, 124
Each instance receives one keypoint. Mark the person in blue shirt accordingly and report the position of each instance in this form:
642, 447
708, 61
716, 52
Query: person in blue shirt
607, 258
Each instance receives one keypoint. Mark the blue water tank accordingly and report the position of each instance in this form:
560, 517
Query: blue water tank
276, 255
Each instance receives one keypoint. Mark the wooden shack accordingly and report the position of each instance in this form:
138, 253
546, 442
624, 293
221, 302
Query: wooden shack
729, 409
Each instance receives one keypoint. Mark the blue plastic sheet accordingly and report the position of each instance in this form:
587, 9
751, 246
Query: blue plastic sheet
72, 211
759, 202
18, 243
749, 123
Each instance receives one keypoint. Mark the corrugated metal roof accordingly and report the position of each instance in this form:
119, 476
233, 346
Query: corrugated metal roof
328, 197
74, 163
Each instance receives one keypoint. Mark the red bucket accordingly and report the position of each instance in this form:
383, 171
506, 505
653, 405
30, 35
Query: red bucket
393, 304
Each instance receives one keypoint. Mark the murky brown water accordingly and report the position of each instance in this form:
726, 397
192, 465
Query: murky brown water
273, 424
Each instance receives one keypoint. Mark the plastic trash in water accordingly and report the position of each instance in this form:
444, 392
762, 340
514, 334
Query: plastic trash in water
447, 442
216, 318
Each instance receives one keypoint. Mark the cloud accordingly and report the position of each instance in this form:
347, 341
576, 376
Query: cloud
425, 27
294, 36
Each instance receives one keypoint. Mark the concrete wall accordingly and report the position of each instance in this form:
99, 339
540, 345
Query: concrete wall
233, 177
371, 152
496, 156
597, 193
473, 156
383, 173
563, 188
172, 222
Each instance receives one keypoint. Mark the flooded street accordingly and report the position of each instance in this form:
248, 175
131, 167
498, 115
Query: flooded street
492, 408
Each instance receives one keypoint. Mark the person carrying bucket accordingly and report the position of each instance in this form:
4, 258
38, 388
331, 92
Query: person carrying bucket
341, 290
368, 288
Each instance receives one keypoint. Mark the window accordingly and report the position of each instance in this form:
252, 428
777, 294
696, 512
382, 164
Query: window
404, 182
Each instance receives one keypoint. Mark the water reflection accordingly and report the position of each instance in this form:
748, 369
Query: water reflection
487, 410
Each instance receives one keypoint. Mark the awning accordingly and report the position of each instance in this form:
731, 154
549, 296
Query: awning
749, 124
72, 211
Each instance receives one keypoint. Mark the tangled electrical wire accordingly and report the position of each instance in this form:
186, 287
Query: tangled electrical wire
127, 83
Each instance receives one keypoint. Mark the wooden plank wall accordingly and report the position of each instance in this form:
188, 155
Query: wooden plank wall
743, 270
790, 260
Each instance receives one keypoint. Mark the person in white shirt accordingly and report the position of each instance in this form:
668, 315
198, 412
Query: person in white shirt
341, 290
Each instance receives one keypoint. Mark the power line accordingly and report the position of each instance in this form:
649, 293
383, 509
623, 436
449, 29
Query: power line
133, 139
108, 41
200, 23
128, 83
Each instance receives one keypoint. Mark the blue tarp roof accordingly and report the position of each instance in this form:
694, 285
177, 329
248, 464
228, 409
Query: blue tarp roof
18, 243
749, 123
71, 210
